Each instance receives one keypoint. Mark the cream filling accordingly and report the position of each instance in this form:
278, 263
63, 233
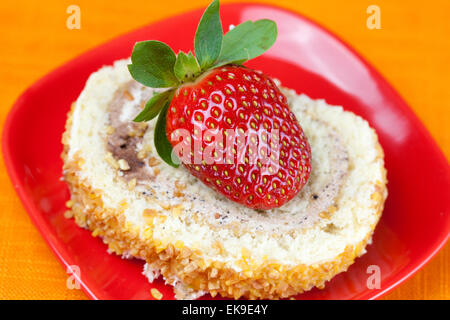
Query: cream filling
127, 140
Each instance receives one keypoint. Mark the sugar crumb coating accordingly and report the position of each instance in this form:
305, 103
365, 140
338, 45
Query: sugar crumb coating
179, 241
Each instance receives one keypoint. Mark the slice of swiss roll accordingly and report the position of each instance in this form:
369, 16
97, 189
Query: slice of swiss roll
198, 240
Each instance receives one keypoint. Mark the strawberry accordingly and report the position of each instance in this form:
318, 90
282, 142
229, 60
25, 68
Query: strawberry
235, 97
230, 126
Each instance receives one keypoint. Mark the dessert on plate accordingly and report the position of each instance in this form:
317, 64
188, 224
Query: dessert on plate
221, 179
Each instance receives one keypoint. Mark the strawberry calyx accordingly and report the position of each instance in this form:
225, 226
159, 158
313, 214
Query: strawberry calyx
154, 64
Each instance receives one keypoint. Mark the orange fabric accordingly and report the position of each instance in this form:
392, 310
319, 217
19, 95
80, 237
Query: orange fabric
411, 50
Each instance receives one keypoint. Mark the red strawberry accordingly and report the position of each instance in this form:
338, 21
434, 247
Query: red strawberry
235, 98
211, 99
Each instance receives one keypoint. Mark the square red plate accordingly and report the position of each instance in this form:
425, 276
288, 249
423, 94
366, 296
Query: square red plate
307, 58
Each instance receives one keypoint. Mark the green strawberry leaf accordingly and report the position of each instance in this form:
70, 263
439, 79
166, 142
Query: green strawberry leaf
154, 106
208, 38
186, 67
152, 64
162, 144
247, 41
155, 65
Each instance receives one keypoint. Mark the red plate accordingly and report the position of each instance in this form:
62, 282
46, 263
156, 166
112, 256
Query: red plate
307, 58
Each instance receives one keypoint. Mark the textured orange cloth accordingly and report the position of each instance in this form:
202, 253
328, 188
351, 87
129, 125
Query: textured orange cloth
411, 50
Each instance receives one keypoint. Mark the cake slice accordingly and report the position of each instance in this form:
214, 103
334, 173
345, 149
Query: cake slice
199, 240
